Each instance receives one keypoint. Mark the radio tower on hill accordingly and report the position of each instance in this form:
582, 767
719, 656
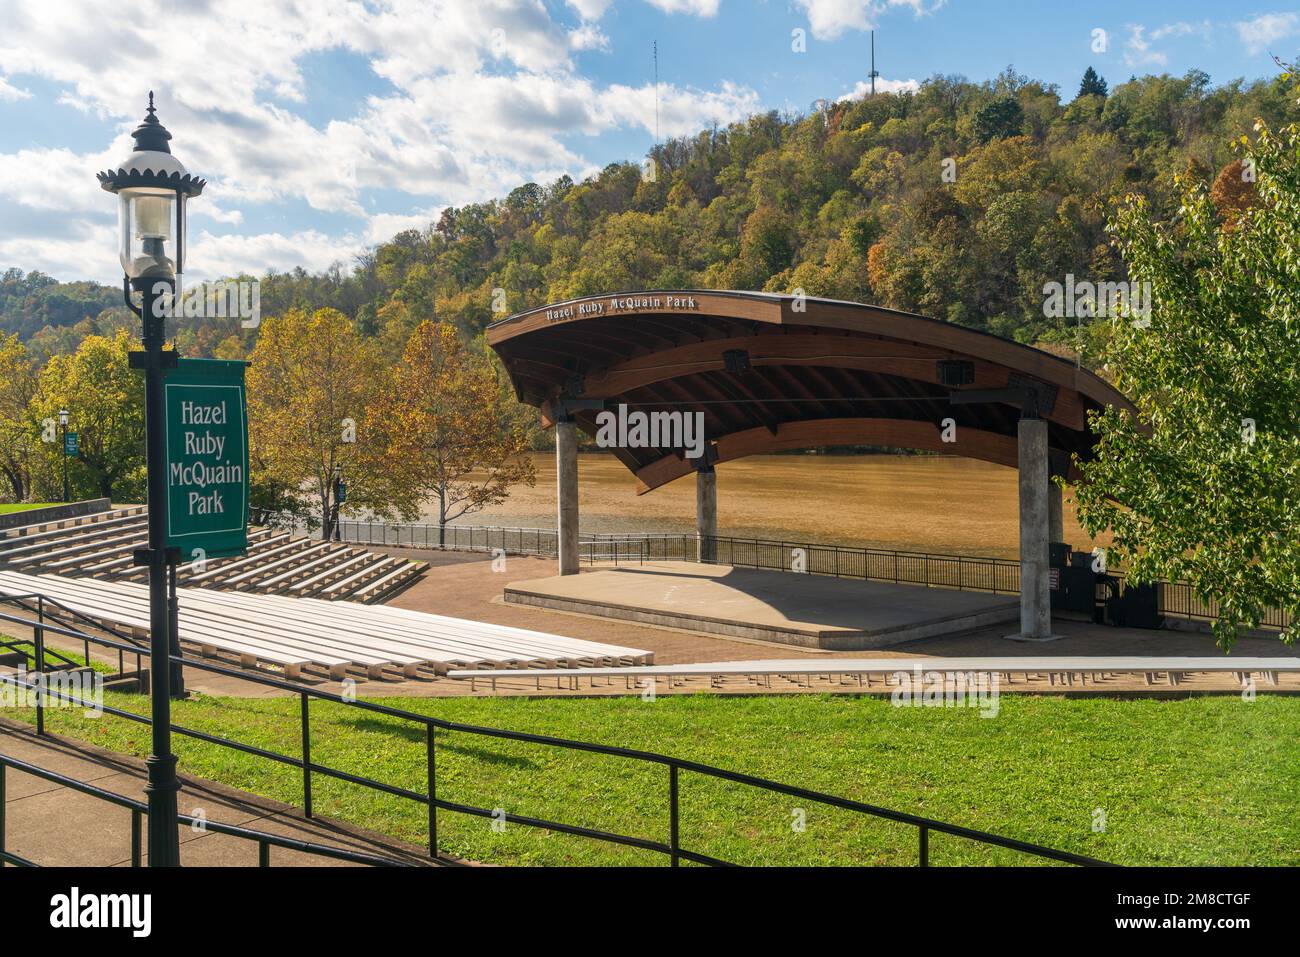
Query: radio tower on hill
656, 59
874, 72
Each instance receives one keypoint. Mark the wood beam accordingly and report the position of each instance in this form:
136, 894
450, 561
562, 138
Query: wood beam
894, 433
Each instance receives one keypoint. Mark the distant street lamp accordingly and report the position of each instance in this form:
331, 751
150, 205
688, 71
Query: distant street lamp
152, 187
340, 494
63, 429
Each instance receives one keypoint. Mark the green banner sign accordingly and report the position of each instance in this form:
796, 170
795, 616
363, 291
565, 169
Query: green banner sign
70, 446
207, 459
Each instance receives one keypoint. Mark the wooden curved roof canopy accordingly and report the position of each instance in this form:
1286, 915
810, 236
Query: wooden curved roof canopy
773, 373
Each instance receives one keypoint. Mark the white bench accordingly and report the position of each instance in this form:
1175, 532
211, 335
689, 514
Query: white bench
330, 559
217, 571
28, 544
64, 524
293, 632
264, 570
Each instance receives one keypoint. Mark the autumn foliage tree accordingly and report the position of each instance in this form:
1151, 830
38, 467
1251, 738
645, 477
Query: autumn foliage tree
311, 382
448, 427
1233, 191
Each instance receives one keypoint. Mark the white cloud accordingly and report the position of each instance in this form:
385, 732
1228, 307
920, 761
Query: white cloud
1268, 28
54, 180
681, 111
88, 251
212, 211
231, 254
234, 58
11, 93
1138, 51
863, 88
67, 257
384, 226
831, 18
698, 8
590, 9
588, 37
485, 95
1204, 29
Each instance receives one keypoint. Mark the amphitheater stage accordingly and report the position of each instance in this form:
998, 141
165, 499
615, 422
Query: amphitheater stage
809, 611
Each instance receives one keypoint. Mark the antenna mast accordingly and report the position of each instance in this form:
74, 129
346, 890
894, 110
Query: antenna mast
874, 72
656, 59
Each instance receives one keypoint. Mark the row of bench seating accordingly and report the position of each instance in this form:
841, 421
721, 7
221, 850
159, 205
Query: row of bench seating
279, 563
339, 638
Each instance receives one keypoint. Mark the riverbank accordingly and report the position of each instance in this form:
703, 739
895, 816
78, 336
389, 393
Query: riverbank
906, 502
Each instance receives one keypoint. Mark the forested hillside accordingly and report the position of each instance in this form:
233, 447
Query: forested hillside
959, 200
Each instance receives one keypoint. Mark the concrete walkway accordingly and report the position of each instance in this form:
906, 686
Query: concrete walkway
54, 825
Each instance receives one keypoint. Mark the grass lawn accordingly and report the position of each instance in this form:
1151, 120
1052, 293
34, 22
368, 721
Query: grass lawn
23, 507
1199, 781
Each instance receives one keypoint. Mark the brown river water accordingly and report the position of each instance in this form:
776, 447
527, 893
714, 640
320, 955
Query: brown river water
913, 503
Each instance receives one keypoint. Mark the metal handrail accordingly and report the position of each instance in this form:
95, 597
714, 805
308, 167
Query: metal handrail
671, 848
18, 599
39, 651
139, 809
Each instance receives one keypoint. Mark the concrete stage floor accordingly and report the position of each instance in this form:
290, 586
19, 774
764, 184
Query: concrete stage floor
809, 611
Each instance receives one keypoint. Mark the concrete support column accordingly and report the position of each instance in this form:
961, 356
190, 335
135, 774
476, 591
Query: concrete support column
706, 513
1055, 512
566, 485
1035, 594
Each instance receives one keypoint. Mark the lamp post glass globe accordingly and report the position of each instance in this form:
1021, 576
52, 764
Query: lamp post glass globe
63, 417
147, 239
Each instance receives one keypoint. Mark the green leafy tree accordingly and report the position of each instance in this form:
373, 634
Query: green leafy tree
1092, 84
18, 429
1204, 483
105, 399
999, 119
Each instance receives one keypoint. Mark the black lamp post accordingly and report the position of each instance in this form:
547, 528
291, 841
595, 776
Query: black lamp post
63, 428
152, 187
339, 491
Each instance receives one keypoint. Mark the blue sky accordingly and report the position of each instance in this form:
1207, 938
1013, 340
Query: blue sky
324, 126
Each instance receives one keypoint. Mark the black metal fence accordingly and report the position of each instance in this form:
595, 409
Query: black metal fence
475, 538
540, 542
999, 576
670, 845
1179, 599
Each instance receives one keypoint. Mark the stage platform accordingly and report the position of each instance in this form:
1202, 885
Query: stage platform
811, 611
